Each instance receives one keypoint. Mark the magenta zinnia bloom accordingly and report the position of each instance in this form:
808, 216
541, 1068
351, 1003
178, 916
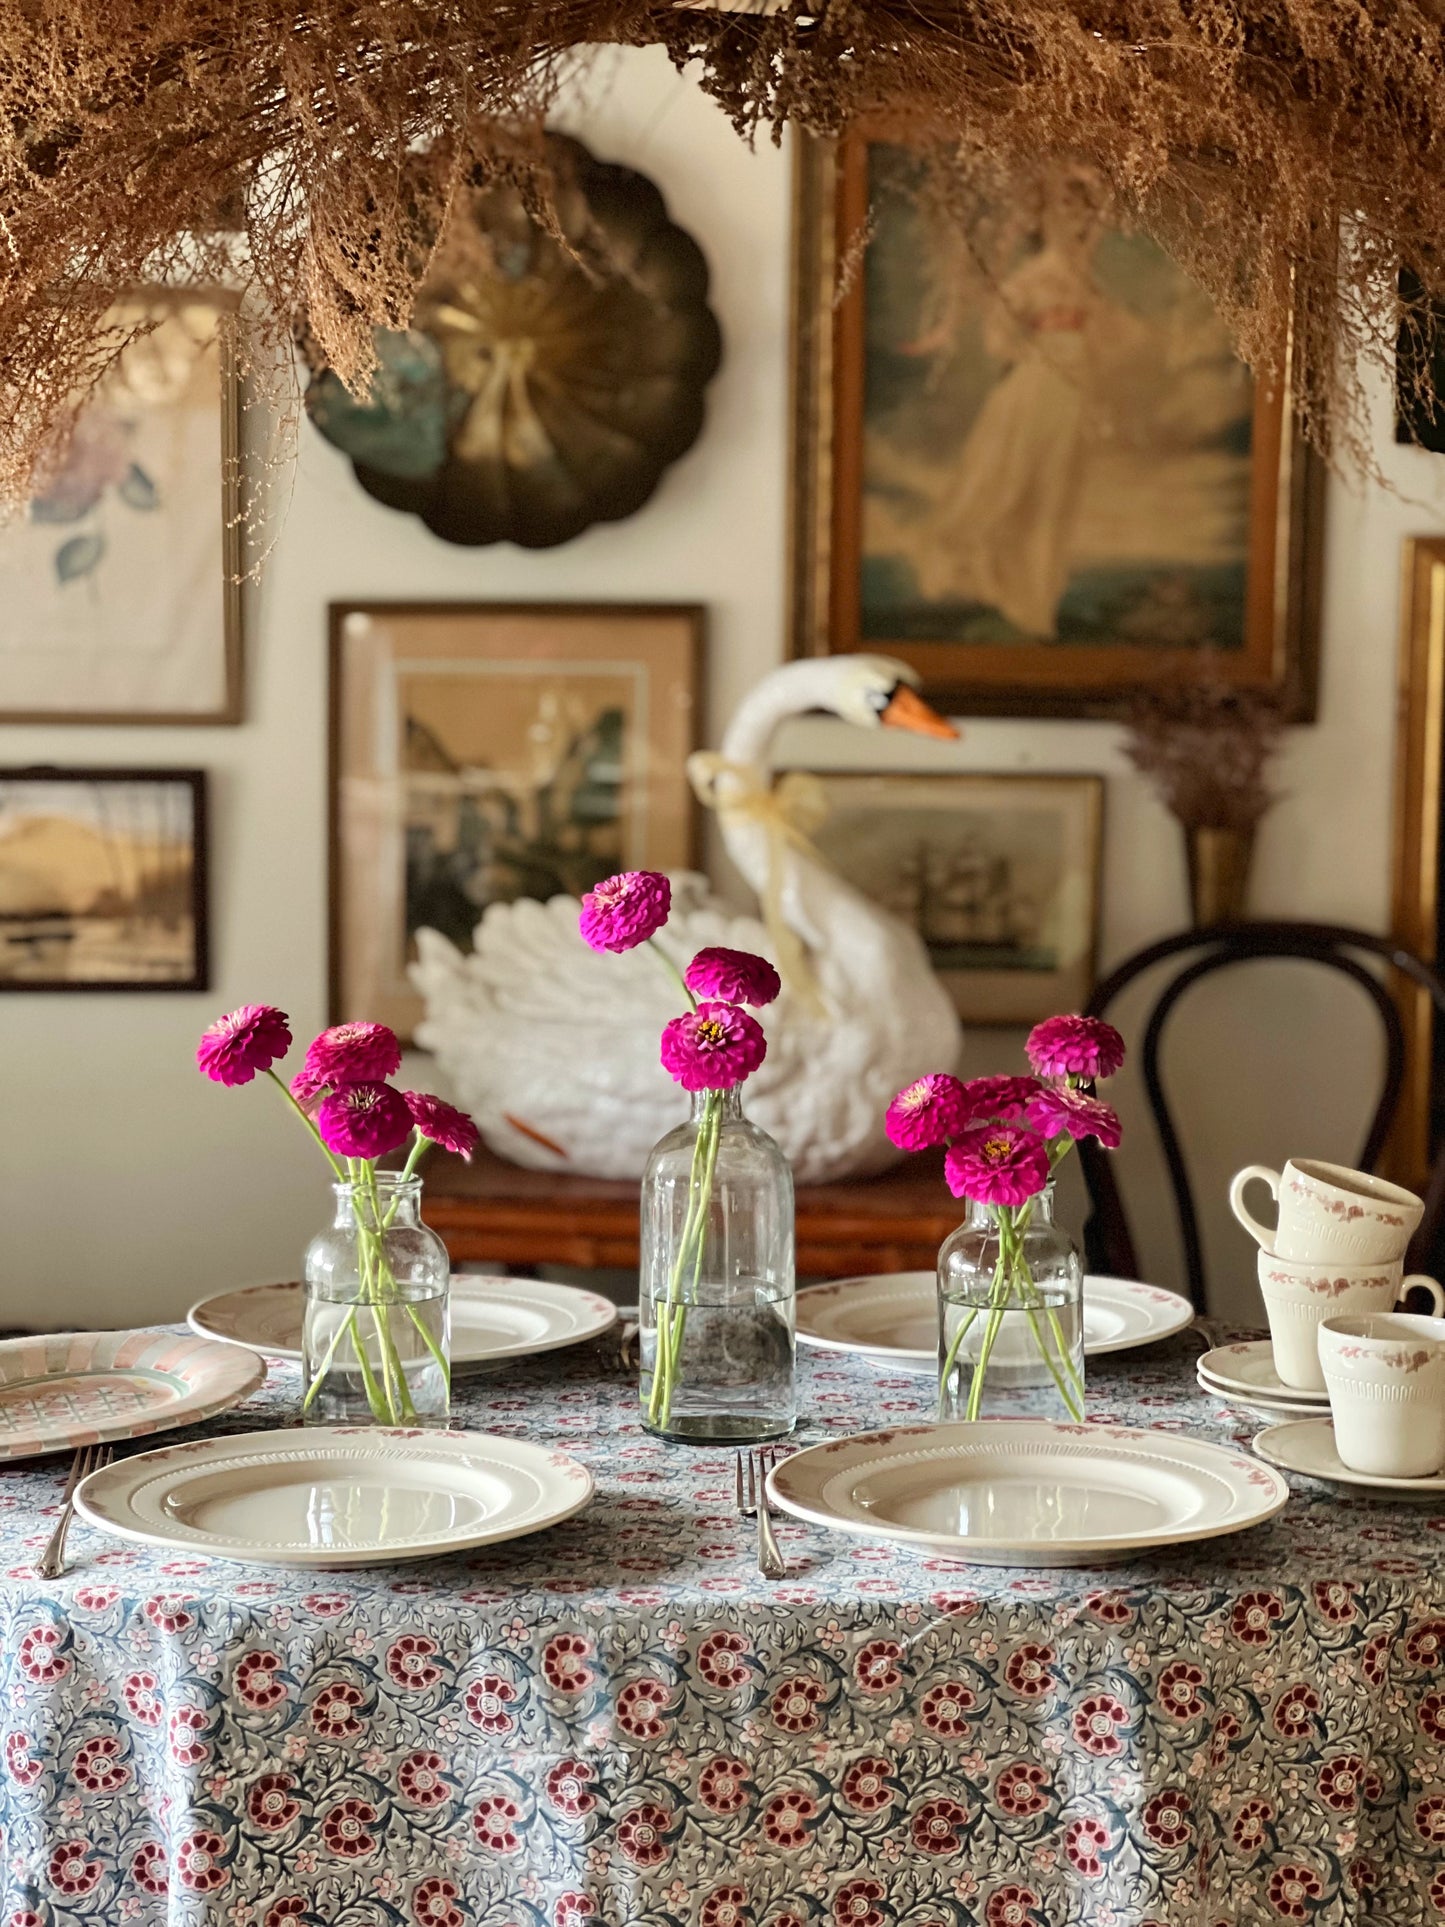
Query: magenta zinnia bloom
361, 1053
1065, 1113
985, 1097
363, 1121
243, 1042
713, 1047
306, 1088
1075, 1047
625, 910
443, 1123
733, 976
926, 1112
1000, 1164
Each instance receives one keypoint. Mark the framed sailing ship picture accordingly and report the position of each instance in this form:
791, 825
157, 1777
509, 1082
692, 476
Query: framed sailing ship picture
1027, 459
998, 874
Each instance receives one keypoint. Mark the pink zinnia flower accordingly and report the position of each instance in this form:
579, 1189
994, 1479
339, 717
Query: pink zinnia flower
713, 1047
443, 1123
243, 1042
625, 910
734, 976
1000, 1164
1065, 1113
1075, 1047
360, 1053
363, 1121
926, 1112
306, 1088
996, 1097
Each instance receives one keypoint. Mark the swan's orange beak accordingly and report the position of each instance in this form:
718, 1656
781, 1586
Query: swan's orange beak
908, 710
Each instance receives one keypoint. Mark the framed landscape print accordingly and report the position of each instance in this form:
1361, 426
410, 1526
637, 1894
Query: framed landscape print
120, 596
485, 752
103, 879
1026, 458
998, 874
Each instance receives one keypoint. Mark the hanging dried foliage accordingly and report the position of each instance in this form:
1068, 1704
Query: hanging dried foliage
332, 134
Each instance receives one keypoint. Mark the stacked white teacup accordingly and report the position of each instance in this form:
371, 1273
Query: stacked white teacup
1331, 1272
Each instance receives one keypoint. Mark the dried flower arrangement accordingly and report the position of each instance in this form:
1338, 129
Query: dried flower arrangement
1206, 749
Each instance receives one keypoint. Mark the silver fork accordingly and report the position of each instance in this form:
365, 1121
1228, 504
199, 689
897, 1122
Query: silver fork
90, 1458
752, 1497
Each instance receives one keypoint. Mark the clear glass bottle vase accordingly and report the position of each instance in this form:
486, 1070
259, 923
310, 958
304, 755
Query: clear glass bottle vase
1010, 1315
376, 1334
716, 1288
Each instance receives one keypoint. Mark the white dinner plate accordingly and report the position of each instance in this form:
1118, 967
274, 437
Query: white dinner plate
1248, 1368
1264, 1407
83, 1388
892, 1317
335, 1495
1308, 1446
492, 1319
1028, 1492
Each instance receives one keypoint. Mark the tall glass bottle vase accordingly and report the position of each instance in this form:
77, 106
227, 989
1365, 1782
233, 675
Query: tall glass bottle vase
1010, 1315
376, 1332
716, 1290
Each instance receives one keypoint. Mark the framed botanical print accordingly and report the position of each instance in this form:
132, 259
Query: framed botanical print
1026, 458
103, 879
120, 597
998, 874
486, 752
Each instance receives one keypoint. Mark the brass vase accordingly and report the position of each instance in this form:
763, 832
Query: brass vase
1219, 862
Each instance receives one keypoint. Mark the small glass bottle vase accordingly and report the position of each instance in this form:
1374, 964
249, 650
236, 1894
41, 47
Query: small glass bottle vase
376, 1338
716, 1290
1010, 1315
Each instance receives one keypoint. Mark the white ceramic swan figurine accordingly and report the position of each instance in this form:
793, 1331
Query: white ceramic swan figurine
549, 1044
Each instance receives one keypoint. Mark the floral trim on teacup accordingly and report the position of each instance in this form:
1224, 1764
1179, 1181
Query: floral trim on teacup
1345, 1210
1325, 1286
1400, 1361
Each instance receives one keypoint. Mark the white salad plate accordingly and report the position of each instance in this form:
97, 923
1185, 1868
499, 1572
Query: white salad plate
332, 1496
84, 1388
891, 1318
492, 1319
1028, 1492
1248, 1368
1270, 1408
1308, 1446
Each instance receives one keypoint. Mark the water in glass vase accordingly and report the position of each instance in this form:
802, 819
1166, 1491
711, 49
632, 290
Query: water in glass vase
731, 1356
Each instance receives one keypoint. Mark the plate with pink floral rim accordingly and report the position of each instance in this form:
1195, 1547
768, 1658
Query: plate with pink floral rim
334, 1496
1308, 1446
84, 1388
1264, 1407
892, 1317
1028, 1492
1248, 1368
493, 1320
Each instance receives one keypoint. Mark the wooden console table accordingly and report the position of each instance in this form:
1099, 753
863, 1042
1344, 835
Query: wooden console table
492, 1210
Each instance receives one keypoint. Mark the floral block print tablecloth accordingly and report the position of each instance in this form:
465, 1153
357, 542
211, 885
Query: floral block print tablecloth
621, 1722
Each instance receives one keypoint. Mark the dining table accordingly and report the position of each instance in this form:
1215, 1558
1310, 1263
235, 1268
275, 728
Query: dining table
620, 1721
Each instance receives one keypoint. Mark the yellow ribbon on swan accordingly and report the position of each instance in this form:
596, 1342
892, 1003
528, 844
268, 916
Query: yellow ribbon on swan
788, 811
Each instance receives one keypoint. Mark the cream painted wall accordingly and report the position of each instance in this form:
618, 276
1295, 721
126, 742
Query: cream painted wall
132, 1186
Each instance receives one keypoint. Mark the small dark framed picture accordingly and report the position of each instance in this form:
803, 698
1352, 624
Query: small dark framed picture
103, 879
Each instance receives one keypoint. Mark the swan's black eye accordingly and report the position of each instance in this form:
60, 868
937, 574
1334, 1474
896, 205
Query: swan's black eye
879, 699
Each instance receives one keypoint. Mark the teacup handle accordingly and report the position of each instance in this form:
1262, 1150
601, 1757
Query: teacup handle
1417, 1281
1261, 1234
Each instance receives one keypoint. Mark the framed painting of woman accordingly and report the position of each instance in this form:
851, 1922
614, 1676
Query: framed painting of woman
1026, 457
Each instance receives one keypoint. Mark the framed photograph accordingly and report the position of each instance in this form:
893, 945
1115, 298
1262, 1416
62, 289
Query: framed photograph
1026, 458
103, 879
998, 874
120, 588
485, 752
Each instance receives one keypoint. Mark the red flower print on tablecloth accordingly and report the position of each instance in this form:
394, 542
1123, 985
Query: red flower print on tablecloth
866, 1785
1225, 1731
138, 1690
1339, 1782
334, 1710
1375, 1659
564, 1663
98, 1767
410, 1661
1027, 1670
1255, 1616
944, 1709
722, 1784
1295, 1710
198, 1862
1425, 1644
1335, 1600
572, 1910
148, 1868
40, 1656
71, 1869
285, 1911
1110, 1609
494, 1824
719, 1658
640, 1706
96, 1599
1363, 1875
788, 1819
487, 1701
640, 1835
167, 1613
1020, 1789
1178, 1690
1437, 1892
1011, 1906
434, 1903
725, 1907
420, 1780
793, 1706
876, 1667
1250, 1826
1096, 1724
1166, 1818
326, 1605
937, 1826
1429, 1818
186, 1726
23, 1770
855, 1904
346, 1830
270, 1802
1086, 1841
256, 1679
1291, 1889
569, 1788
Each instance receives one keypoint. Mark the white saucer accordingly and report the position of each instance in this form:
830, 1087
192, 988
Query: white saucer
1263, 1407
1308, 1446
1248, 1368
492, 1319
891, 1318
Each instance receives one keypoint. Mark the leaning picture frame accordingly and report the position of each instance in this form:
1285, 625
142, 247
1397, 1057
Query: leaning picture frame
1033, 470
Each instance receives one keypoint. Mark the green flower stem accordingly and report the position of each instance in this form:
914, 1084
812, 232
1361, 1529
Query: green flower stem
308, 1121
672, 970
672, 1322
1013, 1288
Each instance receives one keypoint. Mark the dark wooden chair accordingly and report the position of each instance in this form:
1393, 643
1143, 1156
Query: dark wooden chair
1108, 1243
